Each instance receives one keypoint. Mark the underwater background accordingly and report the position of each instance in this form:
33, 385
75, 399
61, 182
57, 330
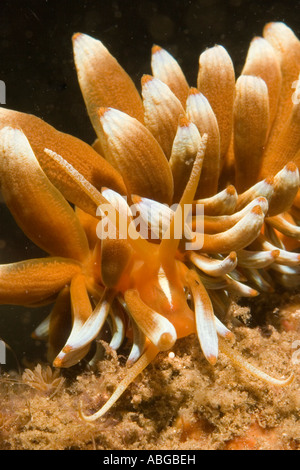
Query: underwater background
180, 401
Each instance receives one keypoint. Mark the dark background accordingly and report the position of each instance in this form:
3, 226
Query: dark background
37, 67
36, 50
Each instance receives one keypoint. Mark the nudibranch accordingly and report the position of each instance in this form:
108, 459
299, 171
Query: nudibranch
230, 146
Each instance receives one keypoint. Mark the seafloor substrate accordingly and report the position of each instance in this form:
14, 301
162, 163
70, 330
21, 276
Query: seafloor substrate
179, 402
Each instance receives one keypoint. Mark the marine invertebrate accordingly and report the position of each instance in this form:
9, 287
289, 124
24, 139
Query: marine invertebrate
43, 379
176, 144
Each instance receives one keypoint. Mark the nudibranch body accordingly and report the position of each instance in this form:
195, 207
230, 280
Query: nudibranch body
231, 147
